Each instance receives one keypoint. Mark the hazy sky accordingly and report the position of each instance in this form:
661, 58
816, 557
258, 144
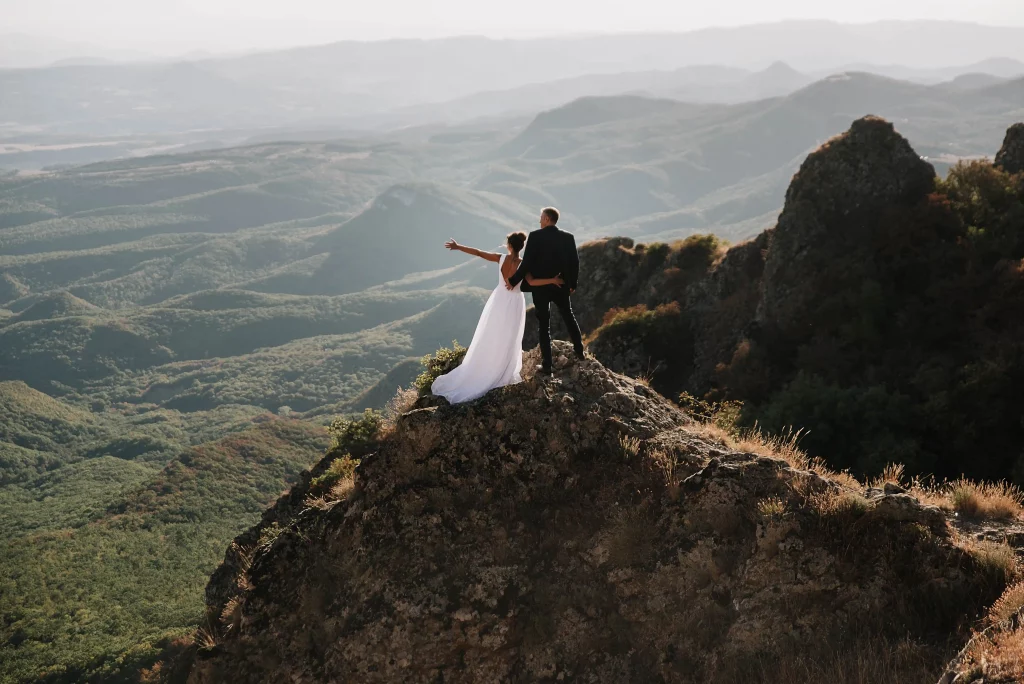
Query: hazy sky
227, 25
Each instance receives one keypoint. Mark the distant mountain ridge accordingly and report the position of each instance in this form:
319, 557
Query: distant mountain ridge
358, 82
21, 51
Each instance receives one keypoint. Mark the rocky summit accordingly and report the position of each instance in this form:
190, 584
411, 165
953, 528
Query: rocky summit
833, 203
583, 528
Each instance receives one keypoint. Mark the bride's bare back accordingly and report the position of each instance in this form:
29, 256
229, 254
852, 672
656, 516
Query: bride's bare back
509, 266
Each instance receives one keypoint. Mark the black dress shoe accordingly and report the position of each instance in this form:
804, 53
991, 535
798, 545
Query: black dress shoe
545, 370
581, 355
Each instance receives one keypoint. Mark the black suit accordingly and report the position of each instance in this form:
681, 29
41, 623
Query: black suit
551, 252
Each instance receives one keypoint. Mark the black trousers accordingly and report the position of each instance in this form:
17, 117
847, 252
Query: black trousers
542, 300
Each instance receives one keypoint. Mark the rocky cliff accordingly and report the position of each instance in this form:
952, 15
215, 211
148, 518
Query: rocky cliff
583, 528
840, 193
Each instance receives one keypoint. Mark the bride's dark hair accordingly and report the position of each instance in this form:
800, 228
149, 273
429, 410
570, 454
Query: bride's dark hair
516, 241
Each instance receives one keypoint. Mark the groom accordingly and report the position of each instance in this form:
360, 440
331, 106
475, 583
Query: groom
551, 252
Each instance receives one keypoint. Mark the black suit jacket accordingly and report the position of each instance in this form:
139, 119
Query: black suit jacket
549, 252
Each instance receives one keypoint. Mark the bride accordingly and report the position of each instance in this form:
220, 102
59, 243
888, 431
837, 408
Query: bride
495, 356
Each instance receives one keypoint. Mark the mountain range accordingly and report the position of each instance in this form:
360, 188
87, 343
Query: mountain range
94, 109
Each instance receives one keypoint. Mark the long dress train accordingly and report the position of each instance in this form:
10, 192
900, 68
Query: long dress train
495, 356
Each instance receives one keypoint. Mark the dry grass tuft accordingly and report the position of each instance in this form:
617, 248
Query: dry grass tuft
993, 501
399, 405
837, 504
930, 494
245, 556
231, 616
891, 474
771, 508
1008, 605
785, 446
667, 464
334, 484
998, 560
320, 503
996, 658
206, 637
855, 661
997, 501
630, 446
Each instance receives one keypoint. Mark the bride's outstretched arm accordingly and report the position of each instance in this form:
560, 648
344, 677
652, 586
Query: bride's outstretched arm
456, 247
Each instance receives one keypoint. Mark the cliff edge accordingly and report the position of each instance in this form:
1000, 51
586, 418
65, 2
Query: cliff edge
583, 528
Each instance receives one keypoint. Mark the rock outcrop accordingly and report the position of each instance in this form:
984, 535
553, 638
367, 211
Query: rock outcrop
1010, 157
582, 528
841, 192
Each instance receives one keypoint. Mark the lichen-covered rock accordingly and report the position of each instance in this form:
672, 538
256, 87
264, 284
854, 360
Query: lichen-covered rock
1010, 157
578, 528
906, 508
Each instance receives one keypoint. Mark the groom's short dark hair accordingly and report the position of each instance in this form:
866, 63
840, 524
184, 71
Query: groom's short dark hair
551, 213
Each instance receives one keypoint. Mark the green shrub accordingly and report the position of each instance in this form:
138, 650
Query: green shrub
435, 365
660, 337
726, 414
357, 435
269, 533
860, 428
640, 319
656, 253
698, 252
341, 469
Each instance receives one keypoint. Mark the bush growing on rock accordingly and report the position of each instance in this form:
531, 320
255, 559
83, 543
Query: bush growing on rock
435, 365
643, 342
339, 474
356, 435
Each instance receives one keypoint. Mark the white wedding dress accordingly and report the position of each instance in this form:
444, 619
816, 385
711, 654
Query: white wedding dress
495, 356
